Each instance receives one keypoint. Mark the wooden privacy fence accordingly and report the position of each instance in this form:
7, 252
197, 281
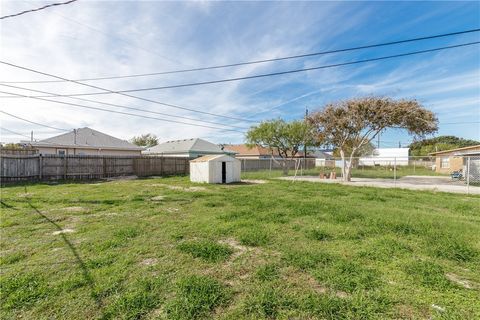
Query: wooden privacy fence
56, 167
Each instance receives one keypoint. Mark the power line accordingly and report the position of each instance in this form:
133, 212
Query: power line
108, 91
37, 123
264, 60
37, 9
246, 77
14, 132
120, 106
120, 112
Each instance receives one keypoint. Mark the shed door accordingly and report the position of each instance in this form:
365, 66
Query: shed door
224, 172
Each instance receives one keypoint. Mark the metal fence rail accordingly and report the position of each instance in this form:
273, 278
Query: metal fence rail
443, 173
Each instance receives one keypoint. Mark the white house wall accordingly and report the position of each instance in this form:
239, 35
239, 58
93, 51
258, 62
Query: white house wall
387, 156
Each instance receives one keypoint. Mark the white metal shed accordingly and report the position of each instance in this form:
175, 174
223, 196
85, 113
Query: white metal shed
215, 169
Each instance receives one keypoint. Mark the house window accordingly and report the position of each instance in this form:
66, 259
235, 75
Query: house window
61, 152
445, 162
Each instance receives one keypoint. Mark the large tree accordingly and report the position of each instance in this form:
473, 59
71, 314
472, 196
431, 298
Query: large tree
283, 139
351, 124
145, 140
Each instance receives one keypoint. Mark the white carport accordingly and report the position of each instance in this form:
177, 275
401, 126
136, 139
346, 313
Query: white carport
215, 169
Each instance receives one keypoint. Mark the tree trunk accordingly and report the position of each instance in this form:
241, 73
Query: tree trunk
347, 165
285, 167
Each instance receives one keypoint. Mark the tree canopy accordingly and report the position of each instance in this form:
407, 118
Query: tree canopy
351, 124
145, 140
284, 139
427, 146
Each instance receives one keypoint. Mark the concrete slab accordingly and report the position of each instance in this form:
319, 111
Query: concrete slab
431, 183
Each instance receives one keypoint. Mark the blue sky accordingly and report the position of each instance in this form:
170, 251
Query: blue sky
103, 38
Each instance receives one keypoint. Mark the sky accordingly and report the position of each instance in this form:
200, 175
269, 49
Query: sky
88, 39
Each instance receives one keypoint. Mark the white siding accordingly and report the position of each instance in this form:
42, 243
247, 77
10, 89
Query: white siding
386, 156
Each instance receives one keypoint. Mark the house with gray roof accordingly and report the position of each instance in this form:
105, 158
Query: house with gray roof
188, 148
85, 141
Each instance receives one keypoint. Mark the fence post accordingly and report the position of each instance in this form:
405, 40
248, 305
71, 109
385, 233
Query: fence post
40, 167
104, 167
468, 175
65, 167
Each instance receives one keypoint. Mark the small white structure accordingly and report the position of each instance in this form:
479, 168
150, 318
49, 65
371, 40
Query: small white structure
386, 157
215, 169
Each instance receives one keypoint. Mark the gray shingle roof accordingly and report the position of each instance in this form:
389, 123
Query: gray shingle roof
187, 145
89, 138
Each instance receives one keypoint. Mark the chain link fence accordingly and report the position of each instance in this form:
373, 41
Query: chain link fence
453, 173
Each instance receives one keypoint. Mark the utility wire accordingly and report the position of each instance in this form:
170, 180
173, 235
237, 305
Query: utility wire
37, 9
120, 112
121, 106
14, 132
123, 92
265, 60
37, 123
108, 91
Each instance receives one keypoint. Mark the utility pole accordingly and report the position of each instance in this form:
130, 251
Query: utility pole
378, 141
31, 136
305, 143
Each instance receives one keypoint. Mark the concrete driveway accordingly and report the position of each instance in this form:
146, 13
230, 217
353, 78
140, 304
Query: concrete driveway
432, 183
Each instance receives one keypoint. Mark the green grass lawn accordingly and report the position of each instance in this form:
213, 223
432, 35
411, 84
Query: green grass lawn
167, 249
360, 172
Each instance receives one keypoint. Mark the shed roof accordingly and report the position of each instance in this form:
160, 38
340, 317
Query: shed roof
214, 157
86, 138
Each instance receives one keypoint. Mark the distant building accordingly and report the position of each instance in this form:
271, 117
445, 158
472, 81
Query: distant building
188, 148
451, 160
85, 141
386, 157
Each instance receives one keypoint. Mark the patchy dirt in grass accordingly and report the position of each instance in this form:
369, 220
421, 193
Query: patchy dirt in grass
157, 198
62, 231
24, 195
74, 209
302, 279
149, 262
121, 178
186, 189
254, 181
461, 282
239, 249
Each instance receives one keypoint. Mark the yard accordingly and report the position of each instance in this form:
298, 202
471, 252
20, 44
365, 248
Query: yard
382, 172
163, 248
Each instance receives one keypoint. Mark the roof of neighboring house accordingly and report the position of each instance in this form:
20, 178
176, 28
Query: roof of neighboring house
319, 154
188, 145
243, 150
459, 150
86, 138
